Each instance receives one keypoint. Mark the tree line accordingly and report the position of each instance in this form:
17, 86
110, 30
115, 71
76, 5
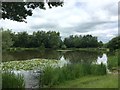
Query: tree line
85, 41
50, 39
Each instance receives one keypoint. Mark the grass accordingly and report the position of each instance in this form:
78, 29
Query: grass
114, 60
10, 80
54, 76
105, 81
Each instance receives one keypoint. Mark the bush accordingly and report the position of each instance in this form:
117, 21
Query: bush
10, 80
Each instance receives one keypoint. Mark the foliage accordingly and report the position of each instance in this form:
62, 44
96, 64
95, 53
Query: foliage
21, 39
10, 80
50, 39
81, 41
42, 39
18, 11
6, 39
113, 61
114, 43
100, 44
53, 76
63, 46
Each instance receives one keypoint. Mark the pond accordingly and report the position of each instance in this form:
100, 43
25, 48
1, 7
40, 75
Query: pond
72, 56
64, 57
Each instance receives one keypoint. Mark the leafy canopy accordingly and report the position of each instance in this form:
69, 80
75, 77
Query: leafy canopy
18, 11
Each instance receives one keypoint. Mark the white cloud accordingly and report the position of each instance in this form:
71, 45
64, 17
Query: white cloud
96, 17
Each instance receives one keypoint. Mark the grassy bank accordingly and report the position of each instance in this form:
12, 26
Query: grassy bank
67, 49
106, 81
86, 49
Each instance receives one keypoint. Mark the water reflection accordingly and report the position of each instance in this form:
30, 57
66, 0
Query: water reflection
30, 77
62, 61
102, 59
81, 57
72, 56
25, 55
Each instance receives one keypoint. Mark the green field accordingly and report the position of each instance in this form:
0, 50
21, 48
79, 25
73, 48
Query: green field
106, 81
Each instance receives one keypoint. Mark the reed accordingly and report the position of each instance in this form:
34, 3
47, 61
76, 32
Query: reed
11, 80
53, 76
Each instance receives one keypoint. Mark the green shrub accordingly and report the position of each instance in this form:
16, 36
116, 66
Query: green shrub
10, 80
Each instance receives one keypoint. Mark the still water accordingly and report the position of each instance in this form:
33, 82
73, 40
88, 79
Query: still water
31, 76
72, 56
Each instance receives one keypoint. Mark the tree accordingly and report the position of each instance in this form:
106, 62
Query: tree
63, 46
53, 39
114, 43
6, 39
81, 41
41, 39
18, 11
100, 44
21, 40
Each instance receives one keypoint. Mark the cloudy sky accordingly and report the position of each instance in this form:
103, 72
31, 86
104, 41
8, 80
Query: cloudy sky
77, 17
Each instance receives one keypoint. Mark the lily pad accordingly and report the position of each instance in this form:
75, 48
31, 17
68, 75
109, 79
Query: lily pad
28, 64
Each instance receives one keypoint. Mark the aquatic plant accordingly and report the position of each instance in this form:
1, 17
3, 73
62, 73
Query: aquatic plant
11, 80
33, 64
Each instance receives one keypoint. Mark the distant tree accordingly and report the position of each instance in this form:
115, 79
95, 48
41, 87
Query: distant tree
39, 39
100, 44
21, 39
6, 39
18, 11
53, 39
63, 46
114, 43
81, 41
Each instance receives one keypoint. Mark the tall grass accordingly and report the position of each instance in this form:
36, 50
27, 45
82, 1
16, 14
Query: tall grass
98, 69
113, 62
53, 76
10, 80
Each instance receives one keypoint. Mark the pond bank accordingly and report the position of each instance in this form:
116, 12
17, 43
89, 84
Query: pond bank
86, 49
66, 49
106, 81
